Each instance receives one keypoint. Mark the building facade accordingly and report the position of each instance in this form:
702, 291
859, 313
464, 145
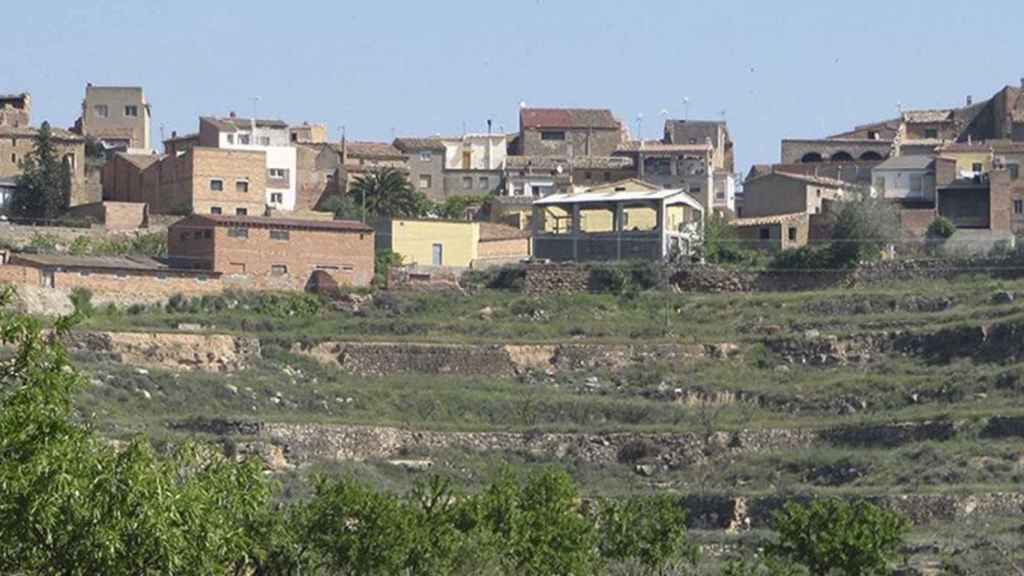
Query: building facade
780, 193
274, 253
15, 110
568, 132
452, 244
17, 143
425, 160
272, 138
117, 116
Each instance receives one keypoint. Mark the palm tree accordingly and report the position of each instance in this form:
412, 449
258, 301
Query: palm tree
386, 193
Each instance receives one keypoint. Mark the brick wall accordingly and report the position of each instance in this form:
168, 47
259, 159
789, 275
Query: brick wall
114, 215
494, 252
915, 222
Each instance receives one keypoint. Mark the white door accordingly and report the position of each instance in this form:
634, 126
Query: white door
438, 259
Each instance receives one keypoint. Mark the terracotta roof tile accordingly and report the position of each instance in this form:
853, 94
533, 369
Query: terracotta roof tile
568, 118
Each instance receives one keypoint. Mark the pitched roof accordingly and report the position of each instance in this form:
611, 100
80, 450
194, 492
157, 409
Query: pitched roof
927, 116
31, 131
765, 220
106, 262
659, 146
221, 220
568, 118
412, 144
907, 163
234, 124
695, 131
578, 163
382, 150
491, 232
818, 180
140, 161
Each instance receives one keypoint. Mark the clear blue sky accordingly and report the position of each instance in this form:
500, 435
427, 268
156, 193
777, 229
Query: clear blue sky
776, 69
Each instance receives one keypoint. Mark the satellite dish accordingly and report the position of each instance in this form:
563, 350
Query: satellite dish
559, 169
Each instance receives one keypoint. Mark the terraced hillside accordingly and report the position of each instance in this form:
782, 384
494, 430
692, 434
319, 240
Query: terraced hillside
910, 394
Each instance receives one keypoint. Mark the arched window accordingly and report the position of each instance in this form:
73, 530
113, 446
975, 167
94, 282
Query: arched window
871, 155
842, 157
811, 157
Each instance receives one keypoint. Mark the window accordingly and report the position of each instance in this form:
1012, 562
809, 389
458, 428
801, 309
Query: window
243, 139
238, 232
278, 270
207, 234
216, 185
14, 158
231, 138
766, 234
101, 110
931, 133
426, 156
276, 198
872, 135
1014, 170
424, 181
215, 210
694, 189
264, 140
467, 182
553, 135
588, 175
977, 168
279, 235
1018, 206
241, 211
277, 173
132, 111
241, 185
792, 233
916, 184
485, 183
184, 235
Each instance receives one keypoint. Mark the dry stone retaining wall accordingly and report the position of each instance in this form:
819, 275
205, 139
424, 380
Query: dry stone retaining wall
211, 352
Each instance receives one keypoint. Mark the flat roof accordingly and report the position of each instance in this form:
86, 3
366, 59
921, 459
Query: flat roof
112, 263
676, 196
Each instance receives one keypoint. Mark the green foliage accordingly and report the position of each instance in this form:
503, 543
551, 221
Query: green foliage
81, 299
382, 263
722, 244
863, 226
804, 258
626, 277
388, 194
70, 503
150, 244
455, 207
44, 186
835, 536
941, 228
344, 207
648, 530
42, 242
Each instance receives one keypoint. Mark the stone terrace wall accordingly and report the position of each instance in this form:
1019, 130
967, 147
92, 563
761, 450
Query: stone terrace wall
557, 278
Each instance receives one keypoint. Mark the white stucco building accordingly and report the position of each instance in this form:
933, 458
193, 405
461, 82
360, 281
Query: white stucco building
476, 152
269, 136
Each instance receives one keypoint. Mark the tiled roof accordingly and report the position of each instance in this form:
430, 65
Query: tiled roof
907, 163
140, 161
765, 220
30, 132
819, 180
106, 262
379, 150
927, 116
409, 144
264, 222
491, 232
659, 146
182, 137
578, 163
234, 124
568, 118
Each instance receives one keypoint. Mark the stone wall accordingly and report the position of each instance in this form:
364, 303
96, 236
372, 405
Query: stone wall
557, 278
208, 352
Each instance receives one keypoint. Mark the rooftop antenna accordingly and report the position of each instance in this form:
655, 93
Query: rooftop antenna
252, 121
686, 108
640, 126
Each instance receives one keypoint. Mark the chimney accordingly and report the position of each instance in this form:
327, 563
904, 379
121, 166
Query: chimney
970, 100
1022, 81
231, 114
174, 134
490, 124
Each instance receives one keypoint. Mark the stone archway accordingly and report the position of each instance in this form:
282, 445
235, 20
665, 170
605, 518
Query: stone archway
811, 158
842, 156
871, 155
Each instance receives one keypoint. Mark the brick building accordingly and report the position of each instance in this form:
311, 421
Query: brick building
198, 180
272, 138
117, 116
15, 110
274, 253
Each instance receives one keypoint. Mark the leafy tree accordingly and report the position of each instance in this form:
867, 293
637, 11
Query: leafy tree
44, 188
648, 530
833, 536
454, 207
941, 228
344, 207
70, 503
863, 226
388, 194
722, 245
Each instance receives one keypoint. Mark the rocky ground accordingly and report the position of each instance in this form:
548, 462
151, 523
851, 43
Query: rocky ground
909, 394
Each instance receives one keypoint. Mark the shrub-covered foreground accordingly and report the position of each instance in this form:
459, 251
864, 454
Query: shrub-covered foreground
72, 503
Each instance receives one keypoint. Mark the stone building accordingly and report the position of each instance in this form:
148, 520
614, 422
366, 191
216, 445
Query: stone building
15, 110
117, 116
274, 253
272, 138
17, 143
199, 180
309, 133
177, 145
425, 160
781, 193
318, 167
568, 132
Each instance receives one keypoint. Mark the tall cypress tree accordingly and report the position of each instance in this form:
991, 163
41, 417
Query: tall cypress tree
44, 187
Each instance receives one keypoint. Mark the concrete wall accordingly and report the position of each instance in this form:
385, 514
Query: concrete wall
577, 142
117, 125
896, 184
485, 152
481, 182
427, 164
774, 195
415, 240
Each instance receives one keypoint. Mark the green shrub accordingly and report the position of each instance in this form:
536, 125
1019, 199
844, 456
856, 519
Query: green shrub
609, 279
81, 298
43, 242
804, 258
512, 278
942, 228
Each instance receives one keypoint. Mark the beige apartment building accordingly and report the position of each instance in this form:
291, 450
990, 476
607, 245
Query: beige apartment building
118, 116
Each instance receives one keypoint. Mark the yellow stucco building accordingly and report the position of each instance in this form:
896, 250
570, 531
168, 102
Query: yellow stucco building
452, 244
